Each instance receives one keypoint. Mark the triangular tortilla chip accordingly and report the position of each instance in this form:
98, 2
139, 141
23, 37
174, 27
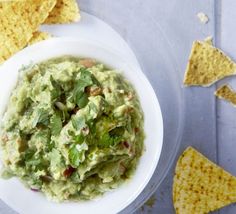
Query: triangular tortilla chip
227, 93
65, 11
18, 21
38, 36
207, 65
200, 186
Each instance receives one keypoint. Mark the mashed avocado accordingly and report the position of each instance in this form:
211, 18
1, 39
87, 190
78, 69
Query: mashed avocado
73, 129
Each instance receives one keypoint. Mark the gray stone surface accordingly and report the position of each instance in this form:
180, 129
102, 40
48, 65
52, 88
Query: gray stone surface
210, 124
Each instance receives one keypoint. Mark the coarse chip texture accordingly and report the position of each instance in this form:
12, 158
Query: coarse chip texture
207, 65
39, 36
200, 186
65, 11
18, 21
227, 93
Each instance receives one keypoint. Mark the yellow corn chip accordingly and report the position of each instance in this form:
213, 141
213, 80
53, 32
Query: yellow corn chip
65, 11
207, 65
18, 21
38, 36
200, 186
227, 93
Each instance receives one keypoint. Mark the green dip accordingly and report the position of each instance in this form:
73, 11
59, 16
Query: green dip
73, 129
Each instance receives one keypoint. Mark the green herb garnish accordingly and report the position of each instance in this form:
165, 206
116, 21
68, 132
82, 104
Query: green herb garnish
78, 122
86, 79
56, 124
42, 117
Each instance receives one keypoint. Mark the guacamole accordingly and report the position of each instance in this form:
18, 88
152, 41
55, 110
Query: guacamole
73, 129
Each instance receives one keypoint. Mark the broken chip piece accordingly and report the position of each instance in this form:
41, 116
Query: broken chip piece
207, 65
18, 21
200, 186
203, 18
227, 93
65, 11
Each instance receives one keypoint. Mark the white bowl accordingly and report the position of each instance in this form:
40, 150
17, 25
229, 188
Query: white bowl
24, 200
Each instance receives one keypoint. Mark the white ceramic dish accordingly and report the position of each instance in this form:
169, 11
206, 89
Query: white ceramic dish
25, 201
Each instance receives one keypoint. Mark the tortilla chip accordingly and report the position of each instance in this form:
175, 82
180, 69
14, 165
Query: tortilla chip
65, 11
18, 21
200, 186
227, 93
39, 36
207, 65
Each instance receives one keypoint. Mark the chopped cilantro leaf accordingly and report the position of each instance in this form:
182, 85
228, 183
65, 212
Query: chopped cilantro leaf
79, 139
86, 79
81, 99
56, 124
57, 90
76, 156
42, 117
107, 140
78, 123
